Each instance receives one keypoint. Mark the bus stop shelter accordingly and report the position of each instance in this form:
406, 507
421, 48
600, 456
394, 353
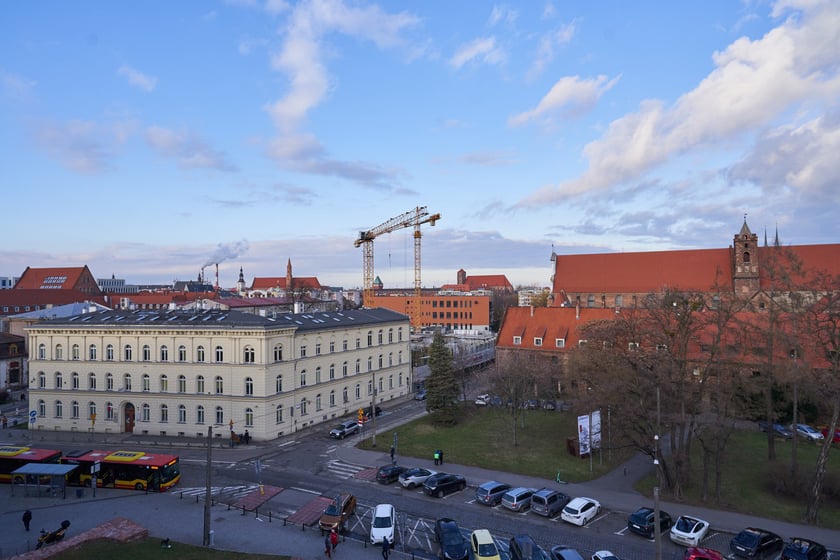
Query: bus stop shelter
43, 479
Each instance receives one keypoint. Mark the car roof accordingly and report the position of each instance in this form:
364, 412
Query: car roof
493, 484
545, 492
482, 536
383, 509
580, 500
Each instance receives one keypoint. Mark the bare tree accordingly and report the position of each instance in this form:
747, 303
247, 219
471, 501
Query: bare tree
518, 378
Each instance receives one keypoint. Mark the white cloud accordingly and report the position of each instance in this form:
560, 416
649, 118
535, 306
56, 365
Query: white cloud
791, 69
483, 49
81, 145
569, 96
301, 59
502, 13
545, 51
137, 78
14, 86
548, 11
189, 151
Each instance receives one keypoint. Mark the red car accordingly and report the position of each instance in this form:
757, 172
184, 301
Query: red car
697, 553
835, 439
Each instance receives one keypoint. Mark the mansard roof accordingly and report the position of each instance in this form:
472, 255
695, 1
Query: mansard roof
221, 319
58, 278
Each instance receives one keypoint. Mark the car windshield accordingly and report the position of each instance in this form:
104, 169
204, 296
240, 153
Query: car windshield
686, 524
747, 538
487, 549
381, 522
641, 517
571, 511
332, 509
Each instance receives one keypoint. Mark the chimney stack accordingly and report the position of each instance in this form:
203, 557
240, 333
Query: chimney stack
217, 277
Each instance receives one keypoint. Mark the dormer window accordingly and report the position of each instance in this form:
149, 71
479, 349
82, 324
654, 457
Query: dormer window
559, 342
537, 341
517, 340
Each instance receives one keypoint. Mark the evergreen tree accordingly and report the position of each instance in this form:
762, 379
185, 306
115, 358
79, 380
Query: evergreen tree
441, 386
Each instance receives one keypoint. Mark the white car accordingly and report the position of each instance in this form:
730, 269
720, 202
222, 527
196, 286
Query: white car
382, 524
689, 531
482, 400
580, 511
604, 555
807, 432
415, 477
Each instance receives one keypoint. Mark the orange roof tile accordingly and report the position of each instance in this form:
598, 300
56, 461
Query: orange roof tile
547, 323
57, 278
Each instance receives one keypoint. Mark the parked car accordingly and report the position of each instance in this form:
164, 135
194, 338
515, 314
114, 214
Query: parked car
346, 428
808, 432
835, 439
523, 547
490, 493
642, 522
778, 429
387, 474
689, 531
580, 511
549, 404
563, 552
518, 499
548, 502
756, 543
420, 395
697, 553
604, 555
415, 477
482, 400
803, 549
441, 484
483, 546
366, 413
453, 544
384, 518
531, 404
338, 512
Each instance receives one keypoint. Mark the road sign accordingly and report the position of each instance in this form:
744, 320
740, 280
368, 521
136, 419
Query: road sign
33, 414
32, 420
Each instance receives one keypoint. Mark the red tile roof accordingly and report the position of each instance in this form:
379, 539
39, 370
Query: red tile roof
689, 270
548, 323
42, 299
58, 278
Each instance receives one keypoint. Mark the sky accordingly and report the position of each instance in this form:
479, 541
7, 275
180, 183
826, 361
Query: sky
147, 140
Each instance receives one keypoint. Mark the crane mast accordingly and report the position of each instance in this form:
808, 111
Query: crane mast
420, 215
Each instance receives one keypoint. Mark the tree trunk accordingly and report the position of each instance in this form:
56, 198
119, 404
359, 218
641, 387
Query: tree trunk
704, 494
819, 476
771, 418
794, 464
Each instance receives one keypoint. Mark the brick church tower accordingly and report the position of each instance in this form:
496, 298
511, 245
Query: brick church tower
745, 262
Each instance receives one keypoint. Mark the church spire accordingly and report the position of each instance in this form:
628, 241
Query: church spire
776, 242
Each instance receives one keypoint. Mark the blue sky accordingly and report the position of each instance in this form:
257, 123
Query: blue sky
146, 140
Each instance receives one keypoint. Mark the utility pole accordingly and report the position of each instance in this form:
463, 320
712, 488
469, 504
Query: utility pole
207, 489
656, 532
373, 408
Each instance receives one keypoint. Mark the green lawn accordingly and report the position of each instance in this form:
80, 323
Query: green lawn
483, 437
750, 481
150, 548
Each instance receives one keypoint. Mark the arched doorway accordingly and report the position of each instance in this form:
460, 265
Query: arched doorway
128, 423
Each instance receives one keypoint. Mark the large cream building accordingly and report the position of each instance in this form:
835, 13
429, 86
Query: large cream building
175, 373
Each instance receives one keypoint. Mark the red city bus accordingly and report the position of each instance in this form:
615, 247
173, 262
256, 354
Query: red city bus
12, 458
124, 469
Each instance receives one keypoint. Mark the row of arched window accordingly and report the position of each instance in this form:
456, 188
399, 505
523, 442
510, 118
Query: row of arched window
200, 385
201, 353
145, 413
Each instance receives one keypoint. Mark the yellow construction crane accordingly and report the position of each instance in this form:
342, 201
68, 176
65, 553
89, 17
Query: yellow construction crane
416, 217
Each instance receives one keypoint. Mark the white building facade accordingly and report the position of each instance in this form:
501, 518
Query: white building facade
174, 373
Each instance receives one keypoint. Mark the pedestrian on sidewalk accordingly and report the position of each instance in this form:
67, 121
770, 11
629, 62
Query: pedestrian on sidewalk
6, 423
334, 539
386, 548
327, 547
27, 519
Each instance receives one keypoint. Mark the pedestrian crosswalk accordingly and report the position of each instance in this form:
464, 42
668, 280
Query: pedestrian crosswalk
220, 493
343, 470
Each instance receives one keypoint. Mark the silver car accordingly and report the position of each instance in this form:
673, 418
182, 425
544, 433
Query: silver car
518, 499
